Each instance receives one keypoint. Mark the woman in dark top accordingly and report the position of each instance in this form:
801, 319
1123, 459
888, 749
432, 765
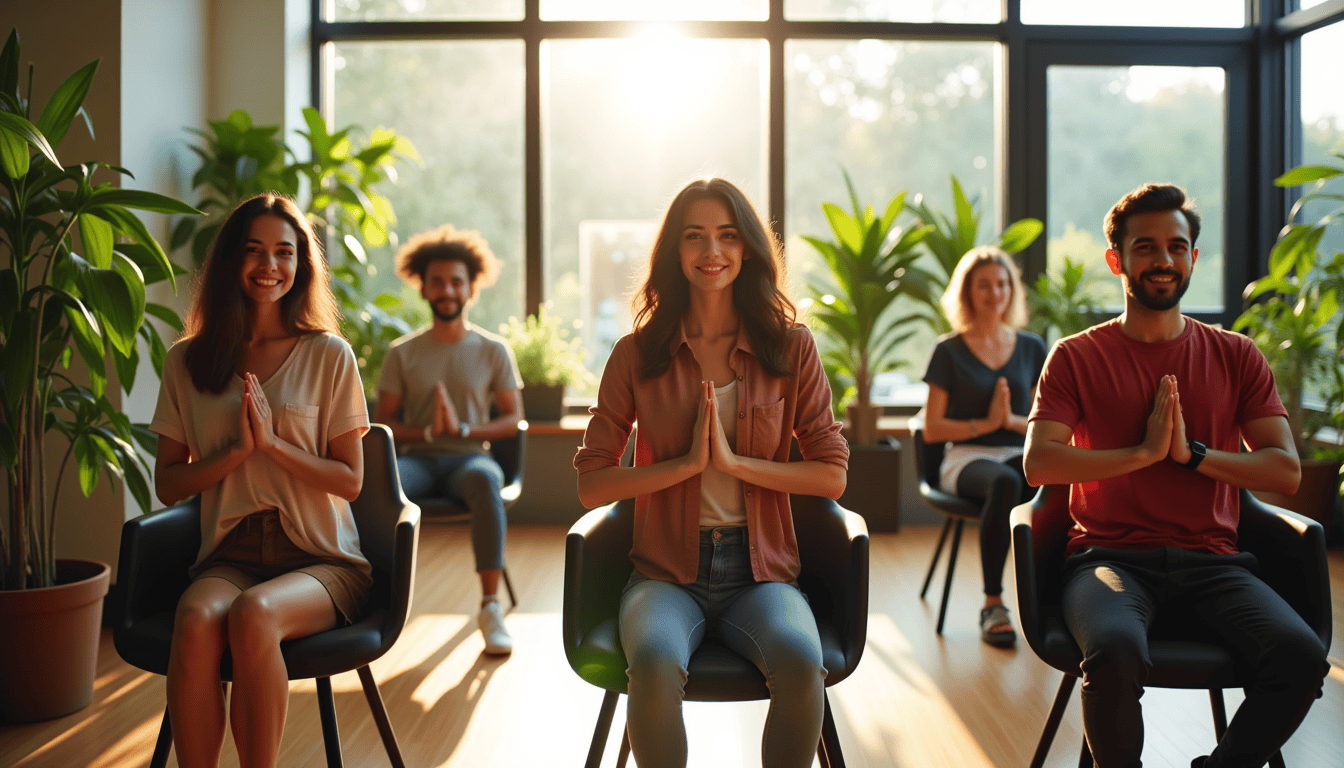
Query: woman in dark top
982, 378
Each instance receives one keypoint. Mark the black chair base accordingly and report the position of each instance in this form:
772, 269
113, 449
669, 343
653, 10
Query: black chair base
951, 565
829, 754
331, 737
1085, 758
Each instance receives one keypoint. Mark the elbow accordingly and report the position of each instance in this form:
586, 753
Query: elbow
1032, 469
836, 483
1290, 478
353, 487
588, 496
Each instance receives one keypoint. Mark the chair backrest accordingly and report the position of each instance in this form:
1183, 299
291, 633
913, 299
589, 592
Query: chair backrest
1050, 525
380, 502
928, 458
510, 453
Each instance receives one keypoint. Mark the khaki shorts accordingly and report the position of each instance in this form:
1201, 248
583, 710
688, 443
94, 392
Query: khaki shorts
258, 550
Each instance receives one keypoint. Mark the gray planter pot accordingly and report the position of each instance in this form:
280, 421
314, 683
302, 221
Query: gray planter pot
542, 403
874, 487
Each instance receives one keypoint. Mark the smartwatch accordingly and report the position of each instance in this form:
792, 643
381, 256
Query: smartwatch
466, 432
1197, 452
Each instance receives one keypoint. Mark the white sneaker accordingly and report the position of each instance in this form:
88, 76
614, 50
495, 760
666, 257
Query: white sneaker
491, 621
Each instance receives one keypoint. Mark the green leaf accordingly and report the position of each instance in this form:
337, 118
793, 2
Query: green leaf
108, 294
141, 200
1307, 173
1020, 235
181, 234
9, 66
846, 228
13, 153
29, 133
65, 103
88, 341
129, 225
98, 240
150, 267
126, 367
86, 458
17, 361
165, 314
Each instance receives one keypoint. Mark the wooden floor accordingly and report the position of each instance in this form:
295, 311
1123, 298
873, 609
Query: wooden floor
915, 700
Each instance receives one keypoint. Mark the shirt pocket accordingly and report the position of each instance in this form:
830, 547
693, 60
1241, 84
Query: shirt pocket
298, 425
767, 429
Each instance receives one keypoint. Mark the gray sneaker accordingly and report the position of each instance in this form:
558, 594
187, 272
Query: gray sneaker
491, 621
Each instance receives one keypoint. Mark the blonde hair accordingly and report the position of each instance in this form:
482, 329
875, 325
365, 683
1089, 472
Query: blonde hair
957, 298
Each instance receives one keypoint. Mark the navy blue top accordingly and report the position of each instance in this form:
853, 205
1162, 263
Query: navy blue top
970, 383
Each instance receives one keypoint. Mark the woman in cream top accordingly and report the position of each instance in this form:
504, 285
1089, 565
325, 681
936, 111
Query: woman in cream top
260, 413
719, 378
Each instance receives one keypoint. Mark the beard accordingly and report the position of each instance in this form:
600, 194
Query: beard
1155, 302
447, 317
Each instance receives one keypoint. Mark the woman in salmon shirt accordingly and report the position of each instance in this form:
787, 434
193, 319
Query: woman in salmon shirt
719, 378
260, 413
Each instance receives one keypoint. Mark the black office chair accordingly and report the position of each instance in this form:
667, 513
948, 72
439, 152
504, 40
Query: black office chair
1291, 553
510, 453
928, 461
833, 548
158, 548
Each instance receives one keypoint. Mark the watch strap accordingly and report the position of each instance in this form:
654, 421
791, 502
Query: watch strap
1197, 453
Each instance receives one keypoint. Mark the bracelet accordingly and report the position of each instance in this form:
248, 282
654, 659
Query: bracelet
429, 433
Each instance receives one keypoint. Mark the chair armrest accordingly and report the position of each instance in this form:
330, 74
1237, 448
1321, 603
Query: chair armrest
405, 549
833, 547
156, 551
1290, 549
597, 567
1024, 568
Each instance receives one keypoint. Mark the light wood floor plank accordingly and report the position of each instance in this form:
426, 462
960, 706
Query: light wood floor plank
916, 699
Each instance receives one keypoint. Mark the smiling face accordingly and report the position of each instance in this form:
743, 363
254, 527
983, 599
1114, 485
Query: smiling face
270, 258
447, 288
1157, 259
710, 246
991, 291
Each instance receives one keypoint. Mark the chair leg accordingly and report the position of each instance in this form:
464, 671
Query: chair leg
951, 568
1052, 722
1276, 760
831, 754
1219, 713
508, 585
164, 744
937, 552
625, 749
380, 717
331, 735
603, 728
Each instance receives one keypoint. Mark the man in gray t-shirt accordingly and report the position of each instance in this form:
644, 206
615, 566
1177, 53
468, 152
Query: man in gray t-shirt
436, 392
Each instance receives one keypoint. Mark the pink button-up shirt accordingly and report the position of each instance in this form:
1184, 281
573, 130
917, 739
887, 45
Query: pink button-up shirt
771, 411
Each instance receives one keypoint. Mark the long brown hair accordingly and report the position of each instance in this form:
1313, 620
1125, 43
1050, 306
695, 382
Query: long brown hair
220, 319
761, 304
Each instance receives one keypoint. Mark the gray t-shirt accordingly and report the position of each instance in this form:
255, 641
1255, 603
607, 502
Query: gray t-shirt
474, 370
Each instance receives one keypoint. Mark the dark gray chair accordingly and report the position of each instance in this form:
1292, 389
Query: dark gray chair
928, 461
1291, 551
510, 453
158, 548
833, 548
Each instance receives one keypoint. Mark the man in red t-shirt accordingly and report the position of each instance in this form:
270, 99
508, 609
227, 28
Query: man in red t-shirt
1143, 417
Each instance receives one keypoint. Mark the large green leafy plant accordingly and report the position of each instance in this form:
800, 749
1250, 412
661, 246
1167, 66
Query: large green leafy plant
1292, 313
77, 264
547, 355
1065, 302
342, 176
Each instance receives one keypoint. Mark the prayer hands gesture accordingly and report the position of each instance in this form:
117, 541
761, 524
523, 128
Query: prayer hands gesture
446, 421
1000, 407
709, 443
1165, 436
259, 428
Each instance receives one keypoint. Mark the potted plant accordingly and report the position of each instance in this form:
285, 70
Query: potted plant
1063, 304
851, 305
1292, 314
64, 296
240, 159
548, 360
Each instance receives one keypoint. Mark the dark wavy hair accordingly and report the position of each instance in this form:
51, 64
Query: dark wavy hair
220, 319
447, 243
1147, 199
758, 296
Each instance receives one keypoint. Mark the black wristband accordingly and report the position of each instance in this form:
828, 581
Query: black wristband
1197, 452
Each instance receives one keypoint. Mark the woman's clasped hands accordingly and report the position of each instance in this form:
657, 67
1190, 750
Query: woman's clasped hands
256, 430
709, 443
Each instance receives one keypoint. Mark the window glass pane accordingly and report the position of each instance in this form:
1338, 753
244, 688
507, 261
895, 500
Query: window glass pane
708, 10
898, 116
1113, 128
626, 123
469, 132
1137, 13
425, 10
947, 11
1302, 5
1323, 119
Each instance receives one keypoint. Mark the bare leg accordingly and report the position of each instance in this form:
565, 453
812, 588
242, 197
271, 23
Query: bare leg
195, 697
286, 607
489, 582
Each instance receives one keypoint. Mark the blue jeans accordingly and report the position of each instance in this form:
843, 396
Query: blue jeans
769, 623
471, 479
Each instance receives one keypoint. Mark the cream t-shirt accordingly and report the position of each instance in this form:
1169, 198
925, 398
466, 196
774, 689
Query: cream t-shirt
315, 395
721, 502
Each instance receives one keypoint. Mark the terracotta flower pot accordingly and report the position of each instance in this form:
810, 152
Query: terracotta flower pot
49, 645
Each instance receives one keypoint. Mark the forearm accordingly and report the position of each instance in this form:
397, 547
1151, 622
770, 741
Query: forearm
330, 475
1016, 424
1055, 463
1266, 469
175, 482
499, 428
945, 430
809, 478
603, 486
